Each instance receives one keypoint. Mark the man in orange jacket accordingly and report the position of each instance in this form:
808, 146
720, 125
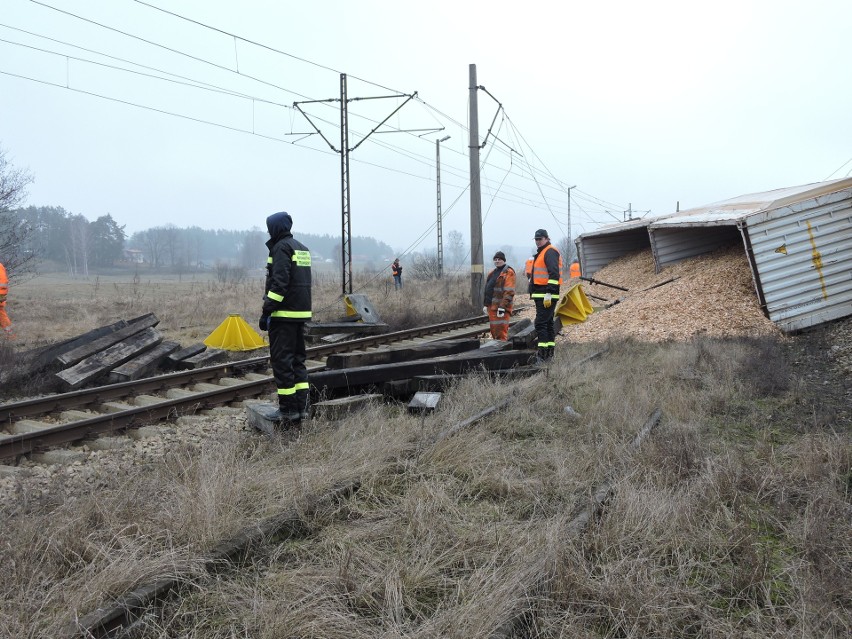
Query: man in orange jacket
5, 322
546, 279
499, 296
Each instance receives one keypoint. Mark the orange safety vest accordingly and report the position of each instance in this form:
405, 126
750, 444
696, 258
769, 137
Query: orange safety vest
4, 281
574, 269
540, 275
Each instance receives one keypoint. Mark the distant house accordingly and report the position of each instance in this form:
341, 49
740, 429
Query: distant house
134, 256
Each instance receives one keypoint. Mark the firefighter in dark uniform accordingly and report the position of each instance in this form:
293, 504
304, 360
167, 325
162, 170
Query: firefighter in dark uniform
546, 279
286, 308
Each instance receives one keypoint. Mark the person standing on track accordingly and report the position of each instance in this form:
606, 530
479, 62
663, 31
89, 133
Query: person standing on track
499, 296
286, 308
546, 279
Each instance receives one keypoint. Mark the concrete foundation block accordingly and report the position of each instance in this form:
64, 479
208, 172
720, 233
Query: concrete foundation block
24, 426
110, 443
151, 431
59, 456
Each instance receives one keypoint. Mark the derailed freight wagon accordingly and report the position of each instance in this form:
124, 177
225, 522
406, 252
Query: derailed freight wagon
798, 242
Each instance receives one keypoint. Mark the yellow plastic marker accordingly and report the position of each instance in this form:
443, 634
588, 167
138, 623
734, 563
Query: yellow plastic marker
574, 307
234, 334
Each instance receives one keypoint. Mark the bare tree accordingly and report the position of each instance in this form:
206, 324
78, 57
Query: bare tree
253, 249
424, 266
171, 241
15, 234
77, 246
154, 242
457, 251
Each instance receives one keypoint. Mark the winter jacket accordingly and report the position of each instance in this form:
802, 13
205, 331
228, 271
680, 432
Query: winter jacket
500, 288
547, 271
288, 273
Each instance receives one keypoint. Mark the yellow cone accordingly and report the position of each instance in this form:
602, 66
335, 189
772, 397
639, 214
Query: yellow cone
235, 335
574, 307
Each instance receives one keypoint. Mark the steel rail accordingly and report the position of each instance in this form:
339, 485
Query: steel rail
51, 436
99, 394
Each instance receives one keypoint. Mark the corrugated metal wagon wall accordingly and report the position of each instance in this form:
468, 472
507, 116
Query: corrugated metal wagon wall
675, 244
801, 257
597, 251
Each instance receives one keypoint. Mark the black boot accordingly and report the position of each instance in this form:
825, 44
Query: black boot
288, 413
303, 404
550, 350
541, 355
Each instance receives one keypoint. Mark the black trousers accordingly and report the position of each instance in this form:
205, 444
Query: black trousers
287, 356
544, 322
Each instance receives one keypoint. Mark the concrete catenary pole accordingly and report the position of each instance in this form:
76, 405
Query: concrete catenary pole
476, 259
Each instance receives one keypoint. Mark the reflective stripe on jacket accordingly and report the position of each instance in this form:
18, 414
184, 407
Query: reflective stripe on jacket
547, 271
288, 280
503, 290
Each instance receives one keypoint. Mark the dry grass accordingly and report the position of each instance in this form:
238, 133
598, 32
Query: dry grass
732, 519
55, 307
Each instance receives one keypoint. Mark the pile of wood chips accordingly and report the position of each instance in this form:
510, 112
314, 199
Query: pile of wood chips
710, 295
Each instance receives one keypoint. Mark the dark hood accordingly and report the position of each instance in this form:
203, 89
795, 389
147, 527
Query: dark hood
279, 225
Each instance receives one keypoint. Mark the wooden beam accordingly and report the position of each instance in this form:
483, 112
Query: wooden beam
349, 378
39, 358
142, 364
390, 355
344, 406
100, 363
208, 357
87, 350
434, 383
525, 338
183, 353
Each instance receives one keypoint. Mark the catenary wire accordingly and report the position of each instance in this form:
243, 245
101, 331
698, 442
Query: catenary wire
229, 70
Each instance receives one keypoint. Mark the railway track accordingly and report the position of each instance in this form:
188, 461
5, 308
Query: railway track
48, 422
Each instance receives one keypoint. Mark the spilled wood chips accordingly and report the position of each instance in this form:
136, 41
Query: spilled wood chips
710, 295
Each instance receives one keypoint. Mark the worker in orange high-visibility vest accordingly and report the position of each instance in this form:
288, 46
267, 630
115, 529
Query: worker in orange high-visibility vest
5, 322
499, 296
546, 280
528, 272
574, 270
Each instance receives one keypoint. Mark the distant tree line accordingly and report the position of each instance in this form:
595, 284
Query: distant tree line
193, 248
52, 233
35, 233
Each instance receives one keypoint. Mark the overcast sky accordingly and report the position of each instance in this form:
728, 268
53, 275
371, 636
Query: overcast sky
636, 104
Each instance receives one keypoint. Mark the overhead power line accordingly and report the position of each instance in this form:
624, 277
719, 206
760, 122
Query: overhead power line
534, 171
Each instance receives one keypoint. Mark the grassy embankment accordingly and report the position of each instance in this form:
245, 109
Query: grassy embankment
732, 519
